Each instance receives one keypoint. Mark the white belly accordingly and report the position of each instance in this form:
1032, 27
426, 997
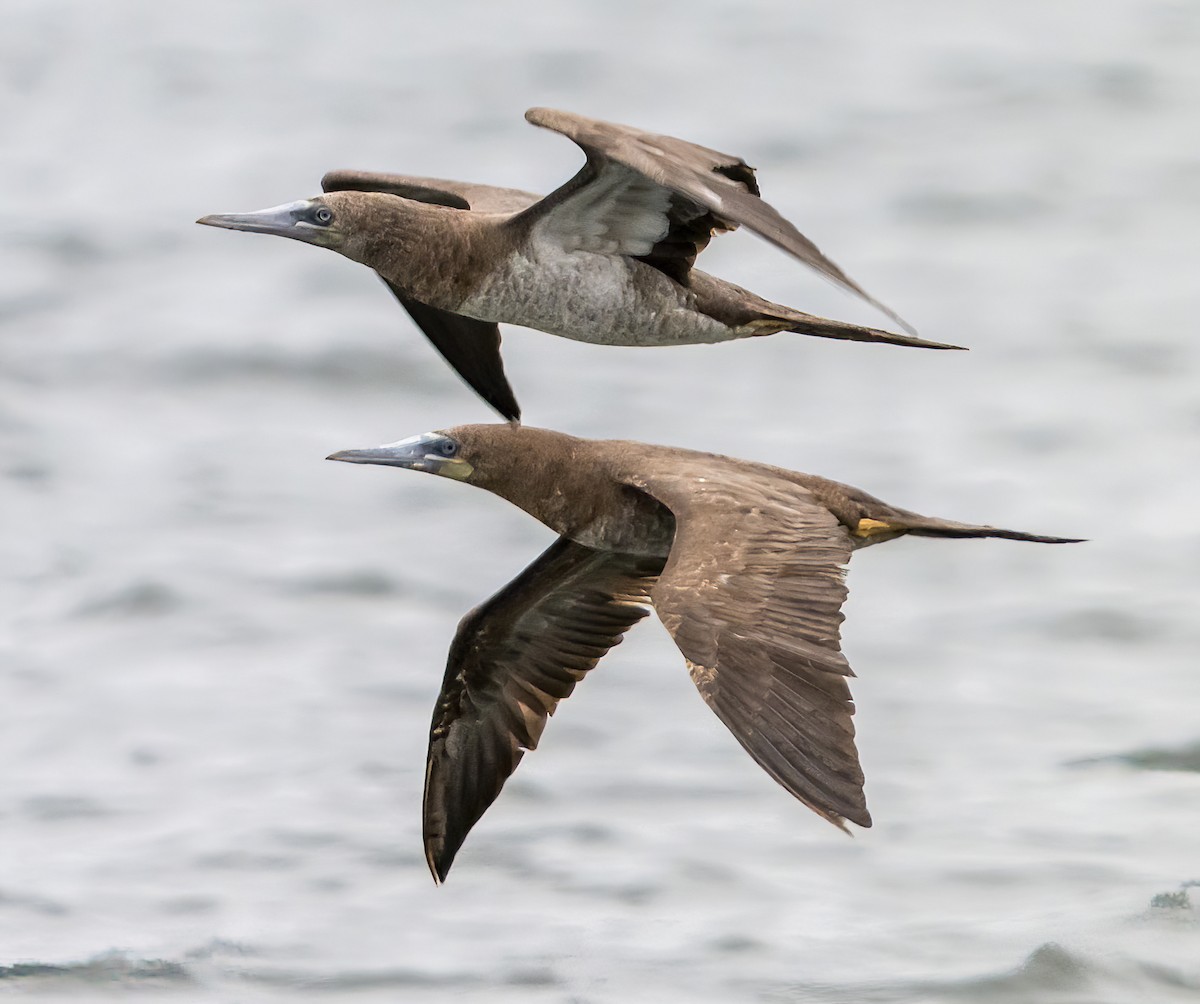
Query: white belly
605, 299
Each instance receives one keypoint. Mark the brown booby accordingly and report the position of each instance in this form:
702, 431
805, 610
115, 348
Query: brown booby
744, 564
606, 258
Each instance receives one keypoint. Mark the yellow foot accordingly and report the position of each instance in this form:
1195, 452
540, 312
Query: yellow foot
767, 326
872, 527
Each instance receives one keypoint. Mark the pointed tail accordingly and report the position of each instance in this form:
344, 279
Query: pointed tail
923, 527
823, 327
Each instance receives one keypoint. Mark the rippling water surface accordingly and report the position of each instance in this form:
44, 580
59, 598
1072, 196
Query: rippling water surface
218, 654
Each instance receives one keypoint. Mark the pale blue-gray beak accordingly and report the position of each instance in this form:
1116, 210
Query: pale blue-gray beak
430, 452
309, 220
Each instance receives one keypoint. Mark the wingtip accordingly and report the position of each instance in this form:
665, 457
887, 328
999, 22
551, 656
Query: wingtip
859, 817
438, 869
883, 308
555, 119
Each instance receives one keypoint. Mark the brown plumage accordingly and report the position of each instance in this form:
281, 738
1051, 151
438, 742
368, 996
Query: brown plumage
605, 258
743, 562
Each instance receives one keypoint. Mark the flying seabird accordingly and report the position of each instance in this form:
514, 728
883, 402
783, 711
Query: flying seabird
606, 258
744, 564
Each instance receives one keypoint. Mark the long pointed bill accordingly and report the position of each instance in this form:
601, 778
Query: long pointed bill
295, 220
430, 452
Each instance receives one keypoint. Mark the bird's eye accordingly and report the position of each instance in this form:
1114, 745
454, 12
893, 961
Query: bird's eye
323, 215
447, 447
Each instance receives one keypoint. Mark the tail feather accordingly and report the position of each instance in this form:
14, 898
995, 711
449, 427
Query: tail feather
947, 528
822, 327
752, 315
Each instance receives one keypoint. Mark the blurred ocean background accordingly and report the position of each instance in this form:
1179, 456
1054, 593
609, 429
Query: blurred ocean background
219, 654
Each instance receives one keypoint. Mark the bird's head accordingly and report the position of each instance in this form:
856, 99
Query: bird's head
351, 223
431, 452
314, 221
519, 463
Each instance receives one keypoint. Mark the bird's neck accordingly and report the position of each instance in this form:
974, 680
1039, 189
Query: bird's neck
434, 254
577, 496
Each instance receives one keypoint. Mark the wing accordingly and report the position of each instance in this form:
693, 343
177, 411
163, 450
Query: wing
671, 193
752, 594
471, 347
513, 659
437, 191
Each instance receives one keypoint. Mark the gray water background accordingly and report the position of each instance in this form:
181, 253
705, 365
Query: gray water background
218, 653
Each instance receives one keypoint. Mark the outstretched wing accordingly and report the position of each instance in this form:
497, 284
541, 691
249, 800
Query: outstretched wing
471, 347
436, 191
660, 199
513, 659
752, 594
